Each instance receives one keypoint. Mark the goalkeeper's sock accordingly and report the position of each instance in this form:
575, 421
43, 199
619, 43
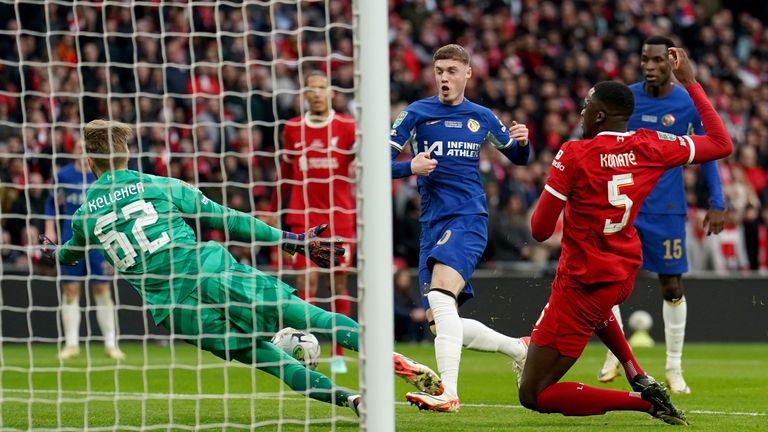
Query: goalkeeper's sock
315, 385
675, 313
105, 315
479, 337
70, 320
448, 340
342, 328
612, 336
343, 307
576, 399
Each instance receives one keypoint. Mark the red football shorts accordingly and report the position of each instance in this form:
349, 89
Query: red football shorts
574, 310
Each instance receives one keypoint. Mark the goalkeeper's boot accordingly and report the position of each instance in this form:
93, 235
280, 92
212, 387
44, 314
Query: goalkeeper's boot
656, 394
676, 382
69, 352
441, 403
518, 364
420, 376
611, 369
114, 353
354, 403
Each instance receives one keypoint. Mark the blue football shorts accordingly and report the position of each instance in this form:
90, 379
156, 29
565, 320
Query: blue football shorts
663, 239
96, 268
458, 243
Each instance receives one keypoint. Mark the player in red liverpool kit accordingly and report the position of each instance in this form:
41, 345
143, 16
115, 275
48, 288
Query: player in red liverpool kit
601, 182
317, 182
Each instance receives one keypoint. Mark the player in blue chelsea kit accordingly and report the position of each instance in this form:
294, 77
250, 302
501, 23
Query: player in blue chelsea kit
71, 182
445, 133
663, 106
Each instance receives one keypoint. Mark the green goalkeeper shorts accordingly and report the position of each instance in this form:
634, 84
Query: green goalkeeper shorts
233, 309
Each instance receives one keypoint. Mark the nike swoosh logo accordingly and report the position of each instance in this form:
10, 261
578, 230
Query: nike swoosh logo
433, 122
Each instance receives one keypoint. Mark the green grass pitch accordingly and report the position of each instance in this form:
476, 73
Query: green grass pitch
729, 382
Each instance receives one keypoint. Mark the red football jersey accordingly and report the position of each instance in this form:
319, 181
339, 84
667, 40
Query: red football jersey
319, 155
604, 181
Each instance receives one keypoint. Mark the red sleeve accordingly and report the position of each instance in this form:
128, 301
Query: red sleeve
676, 150
716, 144
284, 173
562, 172
546, 215
556, 191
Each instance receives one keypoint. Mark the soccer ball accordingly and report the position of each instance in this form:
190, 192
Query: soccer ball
303, 346
640, 320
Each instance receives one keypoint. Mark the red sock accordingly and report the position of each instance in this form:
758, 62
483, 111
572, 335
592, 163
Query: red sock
576, 399
344, 307
612, 336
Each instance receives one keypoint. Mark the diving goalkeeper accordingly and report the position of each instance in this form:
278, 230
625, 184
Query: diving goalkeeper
198, 290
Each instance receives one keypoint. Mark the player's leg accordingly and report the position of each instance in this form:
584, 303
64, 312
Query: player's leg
70, 319
611, 366
446, 285
612, 335
671, 261
342, 306
479, 337
299, 314
675, 312
274, 361
221, 332
105, 315
101, 287
559, 338
449, 254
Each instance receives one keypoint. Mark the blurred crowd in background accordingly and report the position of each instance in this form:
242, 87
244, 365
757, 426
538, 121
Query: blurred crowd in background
208, 88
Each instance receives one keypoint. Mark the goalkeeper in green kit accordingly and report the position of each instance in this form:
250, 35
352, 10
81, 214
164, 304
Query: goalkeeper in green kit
198, 290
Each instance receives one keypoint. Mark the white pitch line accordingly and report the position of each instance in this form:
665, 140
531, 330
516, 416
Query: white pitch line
294, 397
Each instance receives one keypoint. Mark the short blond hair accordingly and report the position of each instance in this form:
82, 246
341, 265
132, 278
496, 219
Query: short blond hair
106, 142
452, 52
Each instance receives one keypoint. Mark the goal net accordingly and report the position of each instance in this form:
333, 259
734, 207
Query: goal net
209, 88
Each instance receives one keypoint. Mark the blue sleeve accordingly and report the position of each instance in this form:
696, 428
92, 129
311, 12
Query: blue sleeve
399, 136
50, 206
498, 134
400, 169
516, 153
402, 129
50, 203
711, 173
715, 187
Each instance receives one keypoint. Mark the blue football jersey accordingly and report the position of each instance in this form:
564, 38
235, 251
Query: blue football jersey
674, 113
452, 134
70, 184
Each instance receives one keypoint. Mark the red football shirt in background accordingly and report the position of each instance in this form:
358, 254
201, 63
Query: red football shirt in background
604, 181
317, 159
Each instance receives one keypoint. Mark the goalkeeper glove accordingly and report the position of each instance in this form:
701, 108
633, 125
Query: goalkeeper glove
317, 250
50, 248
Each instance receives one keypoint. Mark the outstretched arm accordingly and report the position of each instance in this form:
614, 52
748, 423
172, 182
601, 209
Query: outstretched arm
716, 144
191, 200
74, 249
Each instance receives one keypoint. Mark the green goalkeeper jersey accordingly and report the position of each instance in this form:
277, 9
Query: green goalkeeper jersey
137, 220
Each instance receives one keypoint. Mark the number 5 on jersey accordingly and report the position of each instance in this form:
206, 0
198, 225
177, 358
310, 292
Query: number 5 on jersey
618, 199
113, 241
